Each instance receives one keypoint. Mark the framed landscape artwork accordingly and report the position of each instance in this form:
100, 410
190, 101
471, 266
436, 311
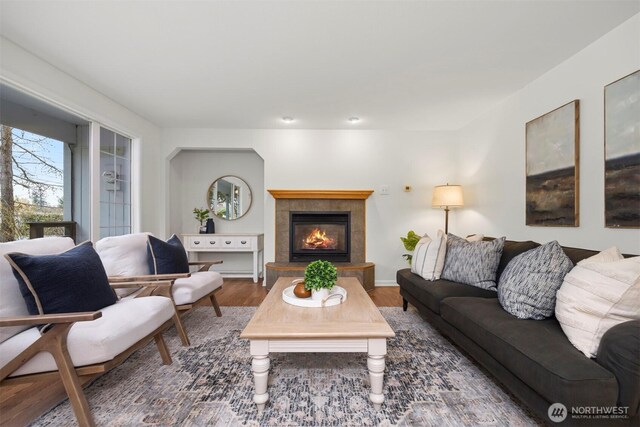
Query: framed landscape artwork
552, 168
622, 152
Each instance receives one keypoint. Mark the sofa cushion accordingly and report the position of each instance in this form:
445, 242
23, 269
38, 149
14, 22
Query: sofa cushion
528, 286
166, 257
190, 289
535, 351
121, 326
619, 352
472, 263
595, 296
431, 294
72, 281
578, 254
11, 301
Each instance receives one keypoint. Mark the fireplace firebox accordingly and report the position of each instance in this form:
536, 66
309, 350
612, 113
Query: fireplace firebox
319, 235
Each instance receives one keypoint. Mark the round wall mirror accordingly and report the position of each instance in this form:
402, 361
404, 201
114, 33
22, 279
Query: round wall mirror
229, 197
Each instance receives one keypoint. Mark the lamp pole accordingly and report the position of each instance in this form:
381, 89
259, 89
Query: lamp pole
446, 219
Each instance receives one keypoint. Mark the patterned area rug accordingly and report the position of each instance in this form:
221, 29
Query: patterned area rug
428, 382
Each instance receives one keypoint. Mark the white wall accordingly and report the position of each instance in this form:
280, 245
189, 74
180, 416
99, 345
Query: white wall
492, 148
191, 172
28, 73
351, 159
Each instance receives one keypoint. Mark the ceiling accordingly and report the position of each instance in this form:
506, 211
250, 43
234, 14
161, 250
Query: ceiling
420, 65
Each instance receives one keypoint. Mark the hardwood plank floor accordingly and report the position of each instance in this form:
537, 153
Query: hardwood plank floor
23, 403
243, 292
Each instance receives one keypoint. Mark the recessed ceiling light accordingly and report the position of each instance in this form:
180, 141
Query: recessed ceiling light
287, 119
353, 119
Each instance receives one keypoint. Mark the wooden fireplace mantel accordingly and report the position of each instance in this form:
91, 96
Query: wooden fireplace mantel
321, 194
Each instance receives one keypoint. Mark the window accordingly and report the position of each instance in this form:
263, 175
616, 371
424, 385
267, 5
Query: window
32, 182
115, 184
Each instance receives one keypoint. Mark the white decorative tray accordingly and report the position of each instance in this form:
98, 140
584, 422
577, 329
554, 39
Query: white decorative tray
337, 295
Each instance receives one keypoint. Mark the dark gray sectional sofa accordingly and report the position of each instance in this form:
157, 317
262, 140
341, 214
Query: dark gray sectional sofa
533, 358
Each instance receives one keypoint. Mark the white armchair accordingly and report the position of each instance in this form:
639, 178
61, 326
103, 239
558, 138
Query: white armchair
78, 346
125, 260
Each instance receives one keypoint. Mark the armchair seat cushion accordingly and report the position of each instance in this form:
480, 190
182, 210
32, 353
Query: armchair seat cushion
121, 326
191, 289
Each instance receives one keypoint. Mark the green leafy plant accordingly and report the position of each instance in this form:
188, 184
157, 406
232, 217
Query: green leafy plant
320, 275
201, 214
410, 243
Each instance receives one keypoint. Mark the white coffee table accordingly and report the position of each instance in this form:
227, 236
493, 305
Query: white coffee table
351, 327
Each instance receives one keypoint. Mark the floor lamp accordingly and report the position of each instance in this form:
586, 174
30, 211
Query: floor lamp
447, 196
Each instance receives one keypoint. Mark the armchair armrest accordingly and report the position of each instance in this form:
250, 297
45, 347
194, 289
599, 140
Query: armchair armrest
141, 284
148, 277
619, 352
50, 318
206, 265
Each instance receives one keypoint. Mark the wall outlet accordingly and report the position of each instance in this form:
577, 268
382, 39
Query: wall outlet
384, 190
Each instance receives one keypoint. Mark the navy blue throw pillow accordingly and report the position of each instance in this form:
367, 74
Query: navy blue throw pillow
167, 257
73, 281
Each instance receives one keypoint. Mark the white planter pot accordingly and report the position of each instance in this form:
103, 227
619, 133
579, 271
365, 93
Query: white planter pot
319, 295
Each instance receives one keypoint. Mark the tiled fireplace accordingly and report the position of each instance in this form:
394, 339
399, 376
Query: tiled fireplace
320, 224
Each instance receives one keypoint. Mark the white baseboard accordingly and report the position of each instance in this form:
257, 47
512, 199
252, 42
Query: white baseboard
382, 283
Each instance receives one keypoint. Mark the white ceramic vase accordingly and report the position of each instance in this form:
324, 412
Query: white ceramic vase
320, 294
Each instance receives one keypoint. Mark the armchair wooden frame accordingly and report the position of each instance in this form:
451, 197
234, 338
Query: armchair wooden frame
162, 284
54, 341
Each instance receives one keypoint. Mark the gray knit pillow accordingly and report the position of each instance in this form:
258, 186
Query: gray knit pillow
472, 263
528, 285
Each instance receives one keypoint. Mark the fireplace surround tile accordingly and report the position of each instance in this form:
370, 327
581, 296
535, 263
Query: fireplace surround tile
353, 201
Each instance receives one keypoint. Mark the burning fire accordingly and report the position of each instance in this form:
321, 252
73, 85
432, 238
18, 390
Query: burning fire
318, 239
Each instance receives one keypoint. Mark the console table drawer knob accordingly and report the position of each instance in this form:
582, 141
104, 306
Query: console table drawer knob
227, 242
197, 242
244, 242
213, 242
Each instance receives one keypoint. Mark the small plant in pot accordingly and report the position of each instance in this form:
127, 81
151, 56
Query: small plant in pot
320, 277
201, 215
410, 243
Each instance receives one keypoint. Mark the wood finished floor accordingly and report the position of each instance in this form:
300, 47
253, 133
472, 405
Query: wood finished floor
243, 292
30, 400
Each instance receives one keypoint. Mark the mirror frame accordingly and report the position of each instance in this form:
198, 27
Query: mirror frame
208, 198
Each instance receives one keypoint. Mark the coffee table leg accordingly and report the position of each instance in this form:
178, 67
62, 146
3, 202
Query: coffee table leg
260, 368
375, 363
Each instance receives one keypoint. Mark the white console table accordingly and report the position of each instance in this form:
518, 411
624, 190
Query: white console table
211, 243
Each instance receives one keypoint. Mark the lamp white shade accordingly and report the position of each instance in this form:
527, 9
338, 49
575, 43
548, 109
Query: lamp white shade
447, 196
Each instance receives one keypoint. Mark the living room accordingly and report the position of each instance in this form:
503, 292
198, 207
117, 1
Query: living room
395, 98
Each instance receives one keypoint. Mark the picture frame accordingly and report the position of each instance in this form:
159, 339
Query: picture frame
553, 168
622, 152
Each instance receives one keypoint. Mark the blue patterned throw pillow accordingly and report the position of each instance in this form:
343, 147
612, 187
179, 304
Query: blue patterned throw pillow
72, 281
167, 257
472, 263
528, 285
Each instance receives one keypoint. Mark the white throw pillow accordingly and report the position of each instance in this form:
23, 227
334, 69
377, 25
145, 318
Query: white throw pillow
428, 256
597, 294
124, 255
608, 255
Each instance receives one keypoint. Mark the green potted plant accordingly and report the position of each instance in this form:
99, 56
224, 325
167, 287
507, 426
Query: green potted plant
201, 215
320, 277
410, 243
